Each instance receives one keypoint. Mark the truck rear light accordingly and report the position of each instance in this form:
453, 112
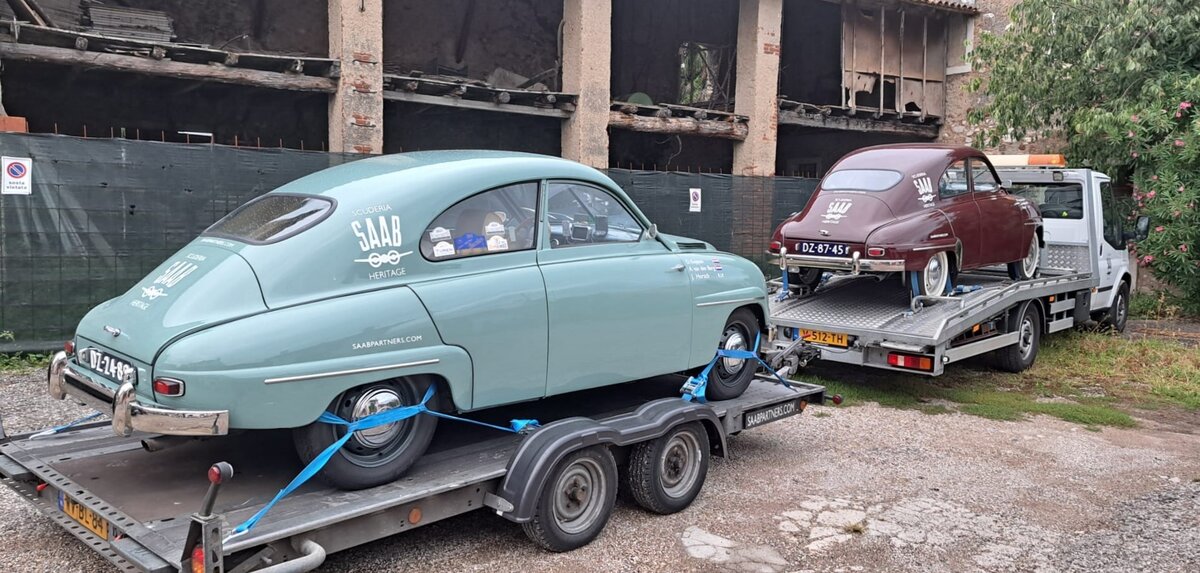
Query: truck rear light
774, 247
874, 251
198, 559
910, 361
69, 347
168, 387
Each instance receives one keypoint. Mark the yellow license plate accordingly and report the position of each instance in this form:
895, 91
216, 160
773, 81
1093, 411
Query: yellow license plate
826, 338
83, 515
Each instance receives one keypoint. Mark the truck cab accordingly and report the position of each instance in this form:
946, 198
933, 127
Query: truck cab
1084, 227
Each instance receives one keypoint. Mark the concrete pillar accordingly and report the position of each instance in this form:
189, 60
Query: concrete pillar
587, 55
356, 110
759, 32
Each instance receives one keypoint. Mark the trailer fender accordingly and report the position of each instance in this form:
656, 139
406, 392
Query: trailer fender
516, 498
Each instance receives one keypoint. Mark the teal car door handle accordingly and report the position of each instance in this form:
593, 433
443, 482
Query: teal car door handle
678, 268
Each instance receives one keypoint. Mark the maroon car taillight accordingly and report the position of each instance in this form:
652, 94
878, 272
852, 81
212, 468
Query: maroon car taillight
168, 387
874, 252
774, 246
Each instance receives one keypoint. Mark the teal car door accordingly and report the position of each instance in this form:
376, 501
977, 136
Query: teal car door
488, 297
620, 305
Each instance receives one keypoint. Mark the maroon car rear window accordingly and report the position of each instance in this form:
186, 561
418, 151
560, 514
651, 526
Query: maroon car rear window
272, 218
861, 180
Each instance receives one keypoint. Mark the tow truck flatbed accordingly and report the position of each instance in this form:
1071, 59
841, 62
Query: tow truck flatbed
145, 498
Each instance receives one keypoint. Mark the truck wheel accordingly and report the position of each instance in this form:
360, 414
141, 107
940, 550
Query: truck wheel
665, 475
1027, 267
1118, 313
1020, 356
807, 278
373, 456
576, 501
731, 376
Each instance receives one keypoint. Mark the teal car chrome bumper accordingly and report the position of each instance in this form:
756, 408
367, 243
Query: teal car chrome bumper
128, 414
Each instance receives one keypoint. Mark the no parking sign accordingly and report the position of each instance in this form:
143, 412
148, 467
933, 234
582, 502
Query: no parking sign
17, 177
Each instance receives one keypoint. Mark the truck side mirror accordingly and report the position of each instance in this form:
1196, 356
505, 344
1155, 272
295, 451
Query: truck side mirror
1143, 227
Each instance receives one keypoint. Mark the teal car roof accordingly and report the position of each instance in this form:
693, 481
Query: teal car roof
408, 175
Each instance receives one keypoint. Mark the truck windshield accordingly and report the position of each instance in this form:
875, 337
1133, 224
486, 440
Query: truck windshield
1053, 200
861, 180
272, 218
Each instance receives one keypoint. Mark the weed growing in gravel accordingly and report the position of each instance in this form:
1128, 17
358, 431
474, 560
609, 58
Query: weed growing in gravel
23, 361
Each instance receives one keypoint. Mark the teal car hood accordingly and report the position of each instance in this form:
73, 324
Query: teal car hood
200, 286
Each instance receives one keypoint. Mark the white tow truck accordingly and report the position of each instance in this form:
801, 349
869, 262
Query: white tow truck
1084, 276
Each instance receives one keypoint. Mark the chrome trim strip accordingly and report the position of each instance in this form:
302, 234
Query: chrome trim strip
736, 301
349, 372
931, 247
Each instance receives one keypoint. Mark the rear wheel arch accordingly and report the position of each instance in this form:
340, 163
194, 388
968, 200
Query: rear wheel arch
759, 315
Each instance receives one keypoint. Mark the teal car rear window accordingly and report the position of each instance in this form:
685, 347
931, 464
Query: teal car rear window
861, 180
272, 218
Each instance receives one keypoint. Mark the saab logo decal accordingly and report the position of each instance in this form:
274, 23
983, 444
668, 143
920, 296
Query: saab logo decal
178, 271
375, 234
837, 210
153, 292
924, 187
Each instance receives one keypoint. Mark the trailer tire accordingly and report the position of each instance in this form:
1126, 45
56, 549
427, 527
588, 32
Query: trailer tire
1020, 356
368, 460
730, 376
666, 474
576, 502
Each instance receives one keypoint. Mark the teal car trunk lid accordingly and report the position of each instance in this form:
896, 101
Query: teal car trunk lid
198, 287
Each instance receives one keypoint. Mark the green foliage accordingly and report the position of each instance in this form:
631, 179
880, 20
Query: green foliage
23, 361
1120, 79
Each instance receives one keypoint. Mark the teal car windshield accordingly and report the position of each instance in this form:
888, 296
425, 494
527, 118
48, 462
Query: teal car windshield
861, 180
272, 218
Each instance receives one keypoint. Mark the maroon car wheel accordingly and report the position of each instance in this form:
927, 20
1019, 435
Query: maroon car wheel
933, 280
1027, 267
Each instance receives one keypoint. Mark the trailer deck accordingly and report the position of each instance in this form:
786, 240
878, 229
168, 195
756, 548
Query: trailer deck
144, 498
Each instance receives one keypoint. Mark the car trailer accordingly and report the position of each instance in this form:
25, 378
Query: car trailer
131, 505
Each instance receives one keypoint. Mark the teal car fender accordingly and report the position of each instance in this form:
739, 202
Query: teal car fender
281, 369
712, 272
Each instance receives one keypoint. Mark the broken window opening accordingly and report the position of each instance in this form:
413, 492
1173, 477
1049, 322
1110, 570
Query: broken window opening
705, 74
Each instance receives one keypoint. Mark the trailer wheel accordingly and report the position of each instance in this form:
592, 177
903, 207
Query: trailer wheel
665, 475
1020, 356
731, 376
378, 455
576, 501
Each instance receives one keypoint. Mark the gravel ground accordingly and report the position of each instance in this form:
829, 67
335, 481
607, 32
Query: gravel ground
836, 489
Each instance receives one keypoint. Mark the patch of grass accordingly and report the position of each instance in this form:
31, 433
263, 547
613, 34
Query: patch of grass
822, 414
23, 361
856, 528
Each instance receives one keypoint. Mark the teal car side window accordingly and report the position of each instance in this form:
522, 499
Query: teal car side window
500, 220
272, 218
581, 214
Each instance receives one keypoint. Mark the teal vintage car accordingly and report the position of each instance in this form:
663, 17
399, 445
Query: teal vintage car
495, 277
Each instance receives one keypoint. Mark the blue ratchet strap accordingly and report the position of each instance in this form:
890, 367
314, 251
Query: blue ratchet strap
695, 386
785, 291
64, 427
372, 421
964, 289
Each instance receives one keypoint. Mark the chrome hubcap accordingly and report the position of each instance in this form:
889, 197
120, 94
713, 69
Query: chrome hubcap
373, 402
1122, 308
935, 275
679, 465
1031, 260
735, 341
576, 492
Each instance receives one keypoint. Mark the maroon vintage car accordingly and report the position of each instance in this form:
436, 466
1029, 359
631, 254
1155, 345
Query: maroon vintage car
928, 211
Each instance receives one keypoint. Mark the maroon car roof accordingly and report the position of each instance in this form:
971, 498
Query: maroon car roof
907, 157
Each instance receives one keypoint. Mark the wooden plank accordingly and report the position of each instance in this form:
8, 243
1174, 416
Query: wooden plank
861, 124
166, 68
679, 126
412, 97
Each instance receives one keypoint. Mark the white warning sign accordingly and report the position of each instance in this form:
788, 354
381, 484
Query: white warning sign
17, 176
694, 200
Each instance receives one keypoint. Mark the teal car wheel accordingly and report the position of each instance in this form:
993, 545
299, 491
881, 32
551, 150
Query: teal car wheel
373, 456
731, 376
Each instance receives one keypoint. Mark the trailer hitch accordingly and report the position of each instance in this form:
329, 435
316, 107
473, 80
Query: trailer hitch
203, 552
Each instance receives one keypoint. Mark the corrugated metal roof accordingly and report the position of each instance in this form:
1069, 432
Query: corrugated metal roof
967, 6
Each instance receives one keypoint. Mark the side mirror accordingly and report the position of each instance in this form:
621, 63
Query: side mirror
1143, 228
652, 232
